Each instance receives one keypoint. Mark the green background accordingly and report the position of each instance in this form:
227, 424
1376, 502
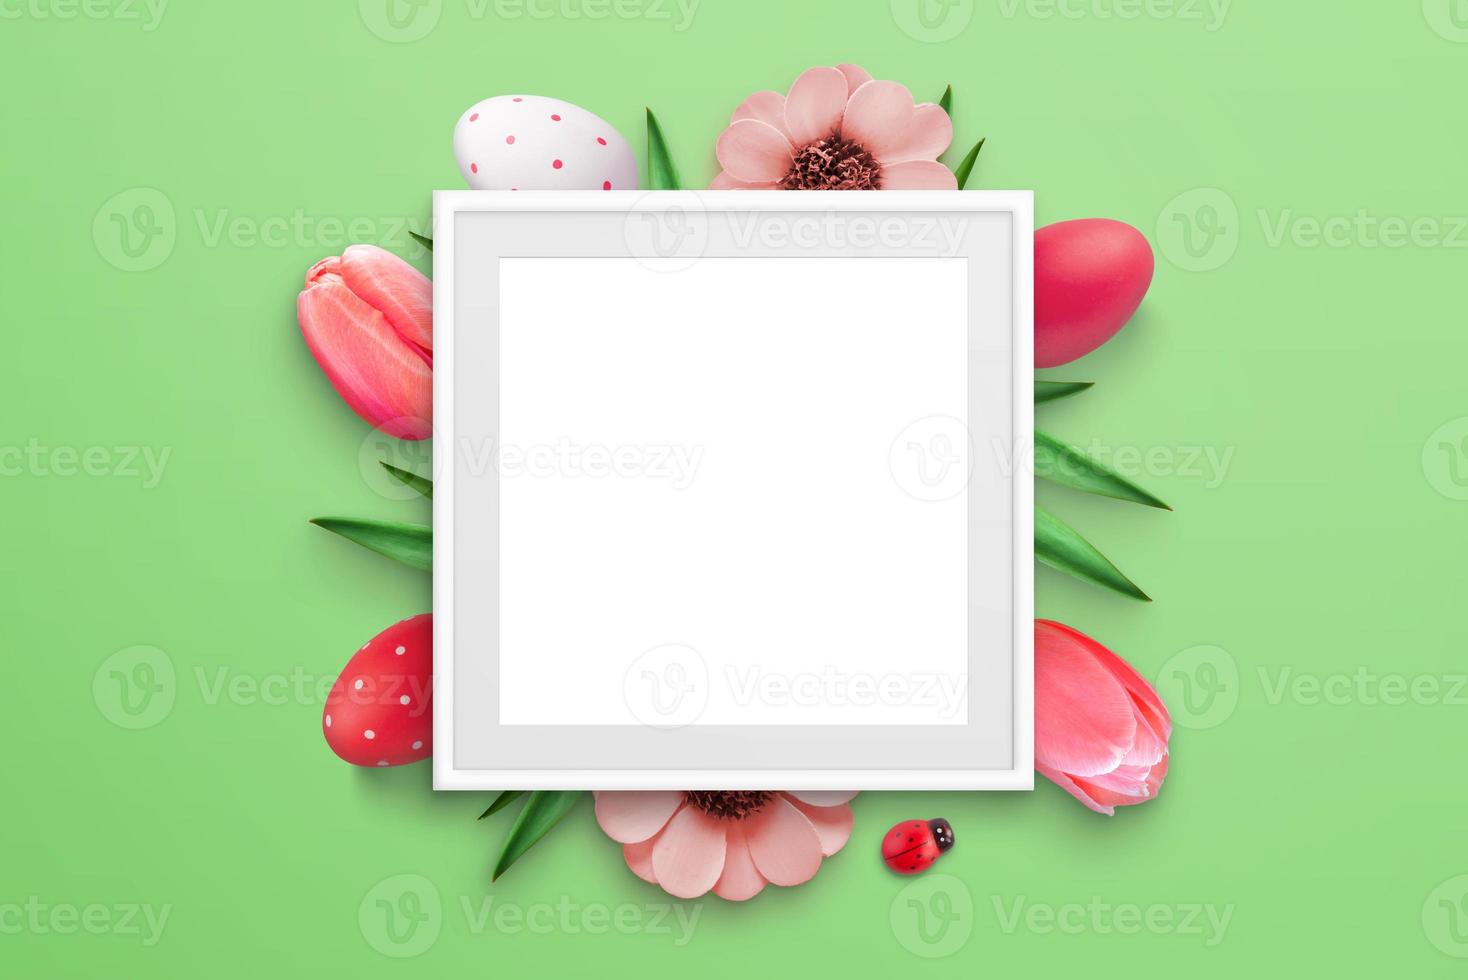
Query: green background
1330, 541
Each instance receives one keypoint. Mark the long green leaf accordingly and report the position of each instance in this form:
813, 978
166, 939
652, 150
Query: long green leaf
425, 242
966, 166
503, 800
411, 544
542, 811
1058, 545
946, 102
661, 174
1063, 463
408, 479
1048, 391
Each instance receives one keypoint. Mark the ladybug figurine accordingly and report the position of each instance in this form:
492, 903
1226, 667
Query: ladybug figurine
913, 845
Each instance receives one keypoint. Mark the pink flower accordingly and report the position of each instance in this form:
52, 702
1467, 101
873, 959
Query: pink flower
368, 318
1100, 730
836, 130
733, 843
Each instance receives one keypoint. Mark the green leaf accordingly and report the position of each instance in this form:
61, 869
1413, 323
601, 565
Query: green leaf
425, 242
420, 483
411, 544
661, 174
1062, 463
966, 166
1058, 545
503, 800
946, 102
1048, 391
542, 811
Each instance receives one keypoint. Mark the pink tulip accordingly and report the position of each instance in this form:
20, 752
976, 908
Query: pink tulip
1100, 730
368, 318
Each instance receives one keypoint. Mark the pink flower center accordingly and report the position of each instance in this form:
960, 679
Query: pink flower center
833, 164
729, 806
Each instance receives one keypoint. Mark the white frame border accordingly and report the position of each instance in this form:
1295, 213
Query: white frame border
1020, 204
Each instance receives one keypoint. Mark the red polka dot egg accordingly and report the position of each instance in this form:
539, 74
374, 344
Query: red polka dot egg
530, 142
380, 710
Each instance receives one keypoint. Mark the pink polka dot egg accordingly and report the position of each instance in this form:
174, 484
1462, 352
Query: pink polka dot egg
530, 142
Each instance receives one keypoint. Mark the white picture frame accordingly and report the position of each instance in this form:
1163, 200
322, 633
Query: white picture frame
720, 316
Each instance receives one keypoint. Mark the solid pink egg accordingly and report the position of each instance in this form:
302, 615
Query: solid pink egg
380, 710
1090, 277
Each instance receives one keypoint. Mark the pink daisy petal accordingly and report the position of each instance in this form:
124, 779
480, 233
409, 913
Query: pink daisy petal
823, 797
741, 880
766, 107
927, 135
723, 182
877, 116
639, 859
918, 175
635, 816
814, 106
753, 151
856, 76
783, 843
1066, 783
688, 856
832, 823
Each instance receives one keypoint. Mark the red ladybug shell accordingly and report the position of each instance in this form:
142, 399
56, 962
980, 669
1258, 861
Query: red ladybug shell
909, 847
380, 710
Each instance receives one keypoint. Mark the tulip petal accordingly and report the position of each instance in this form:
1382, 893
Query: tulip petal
814, 106
381, 376
689, 855
1066, 783
753, 151
396, 289
1084, 720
